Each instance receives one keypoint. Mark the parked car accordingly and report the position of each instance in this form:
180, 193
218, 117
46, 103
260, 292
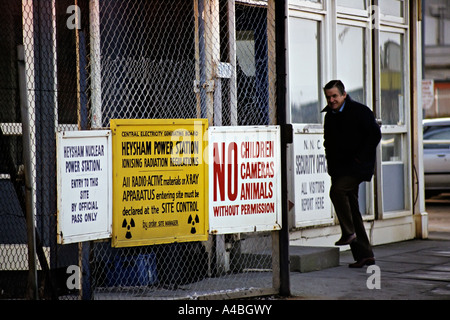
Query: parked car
436, 155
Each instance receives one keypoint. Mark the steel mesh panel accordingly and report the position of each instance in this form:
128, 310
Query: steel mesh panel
143, 59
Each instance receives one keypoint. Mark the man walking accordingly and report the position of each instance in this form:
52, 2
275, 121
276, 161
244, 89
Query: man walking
351, 136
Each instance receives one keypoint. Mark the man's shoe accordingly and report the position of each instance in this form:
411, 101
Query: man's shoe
346, 240
363, 262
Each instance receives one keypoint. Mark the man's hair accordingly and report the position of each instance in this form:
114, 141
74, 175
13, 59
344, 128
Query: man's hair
335, 84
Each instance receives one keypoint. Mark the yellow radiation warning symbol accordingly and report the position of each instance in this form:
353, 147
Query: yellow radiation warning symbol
160, 181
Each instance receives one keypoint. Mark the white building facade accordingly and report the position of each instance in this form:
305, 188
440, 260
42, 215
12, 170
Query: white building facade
373, 47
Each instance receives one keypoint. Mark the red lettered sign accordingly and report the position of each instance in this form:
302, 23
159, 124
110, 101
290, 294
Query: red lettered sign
245, 181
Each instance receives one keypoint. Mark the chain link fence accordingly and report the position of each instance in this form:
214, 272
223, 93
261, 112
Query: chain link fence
87, 62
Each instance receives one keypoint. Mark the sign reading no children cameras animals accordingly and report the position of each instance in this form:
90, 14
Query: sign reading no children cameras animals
160, 181
84, 185
245, 179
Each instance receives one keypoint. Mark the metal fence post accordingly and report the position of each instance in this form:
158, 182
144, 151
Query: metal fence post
286, 136
31, 235
84, 248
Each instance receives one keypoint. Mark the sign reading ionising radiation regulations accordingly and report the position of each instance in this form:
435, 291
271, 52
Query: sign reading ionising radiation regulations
159, 181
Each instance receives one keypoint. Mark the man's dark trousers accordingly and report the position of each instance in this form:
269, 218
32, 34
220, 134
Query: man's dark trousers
344, 195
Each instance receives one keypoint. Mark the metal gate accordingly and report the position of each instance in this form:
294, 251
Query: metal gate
87, 62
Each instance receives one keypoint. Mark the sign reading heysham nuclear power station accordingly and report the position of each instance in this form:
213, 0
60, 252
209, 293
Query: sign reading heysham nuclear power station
84, 185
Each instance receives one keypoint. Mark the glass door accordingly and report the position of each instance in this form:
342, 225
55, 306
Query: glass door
393, 99
353, 63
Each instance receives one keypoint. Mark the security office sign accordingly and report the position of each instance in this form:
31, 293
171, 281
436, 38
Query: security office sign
159, 181
84, 186
245, 179
311, 180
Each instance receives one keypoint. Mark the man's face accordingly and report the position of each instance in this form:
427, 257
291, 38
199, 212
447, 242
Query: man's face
335, 99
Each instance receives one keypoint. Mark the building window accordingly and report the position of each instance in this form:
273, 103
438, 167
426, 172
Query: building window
356, 4
304, 70
351, 62
392, 74
307, 4
392, 148
394, 8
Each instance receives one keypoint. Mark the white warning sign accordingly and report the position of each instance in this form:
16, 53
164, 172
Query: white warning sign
245, 179
84, 185
311, 180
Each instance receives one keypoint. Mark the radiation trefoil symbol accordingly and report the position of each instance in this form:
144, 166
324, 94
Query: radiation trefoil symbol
127, 225
193, 221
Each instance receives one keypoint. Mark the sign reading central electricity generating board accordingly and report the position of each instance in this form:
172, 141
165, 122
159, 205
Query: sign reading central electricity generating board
159, 181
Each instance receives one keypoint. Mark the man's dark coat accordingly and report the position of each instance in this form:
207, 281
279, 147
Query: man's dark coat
351, 138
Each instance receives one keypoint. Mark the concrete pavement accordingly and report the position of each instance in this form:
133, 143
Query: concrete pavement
415, 269
409, 270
